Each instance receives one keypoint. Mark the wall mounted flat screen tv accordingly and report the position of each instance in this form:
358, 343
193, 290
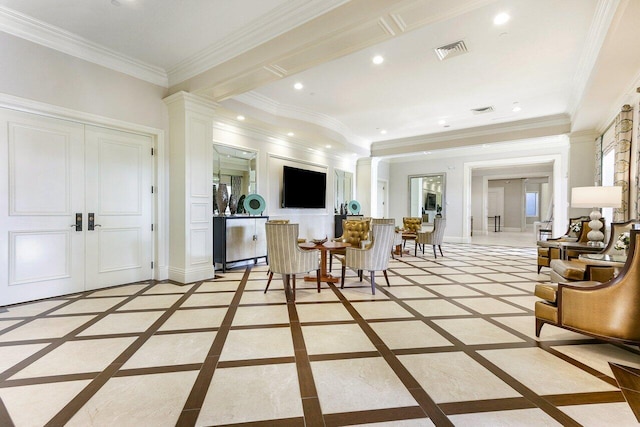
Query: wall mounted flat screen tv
303, 188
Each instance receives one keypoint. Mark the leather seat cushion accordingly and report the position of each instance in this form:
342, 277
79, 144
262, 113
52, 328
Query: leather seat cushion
546, 292
546, 311
570, 270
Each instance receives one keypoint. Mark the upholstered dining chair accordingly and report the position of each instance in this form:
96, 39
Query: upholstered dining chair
433, 237
374, 257
354, 231
286, 257
397, 237
576, 270
609, 310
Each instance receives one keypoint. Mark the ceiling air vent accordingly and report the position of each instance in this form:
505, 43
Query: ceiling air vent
450, 50
483, 110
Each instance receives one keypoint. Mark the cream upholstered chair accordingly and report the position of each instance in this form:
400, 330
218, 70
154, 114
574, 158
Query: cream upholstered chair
375, 257
286, 257
354, 231
609, 310
397, 237
572, 270
433, 237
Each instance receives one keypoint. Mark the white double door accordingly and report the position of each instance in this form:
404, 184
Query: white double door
75, 207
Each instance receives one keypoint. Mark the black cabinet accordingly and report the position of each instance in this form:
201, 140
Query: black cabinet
239, 238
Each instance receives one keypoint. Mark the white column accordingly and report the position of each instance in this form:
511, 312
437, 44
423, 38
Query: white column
190, 191
367, 184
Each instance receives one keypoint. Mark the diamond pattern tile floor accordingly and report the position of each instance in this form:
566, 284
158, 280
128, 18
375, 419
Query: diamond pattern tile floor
450, 342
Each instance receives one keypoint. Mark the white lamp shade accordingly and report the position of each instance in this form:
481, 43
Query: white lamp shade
596, 197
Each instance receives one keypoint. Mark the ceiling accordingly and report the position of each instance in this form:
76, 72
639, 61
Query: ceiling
544, 60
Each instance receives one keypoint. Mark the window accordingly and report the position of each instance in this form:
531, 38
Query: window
532, 203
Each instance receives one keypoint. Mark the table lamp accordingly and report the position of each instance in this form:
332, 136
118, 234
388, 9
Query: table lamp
596, 197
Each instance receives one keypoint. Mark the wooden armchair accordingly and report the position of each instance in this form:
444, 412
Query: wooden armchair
572, 270
550, 249
609, 311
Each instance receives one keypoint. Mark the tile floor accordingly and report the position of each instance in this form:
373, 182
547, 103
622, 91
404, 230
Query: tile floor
451, 342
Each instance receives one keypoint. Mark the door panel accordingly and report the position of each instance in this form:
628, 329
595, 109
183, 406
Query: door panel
41, 189
118, 183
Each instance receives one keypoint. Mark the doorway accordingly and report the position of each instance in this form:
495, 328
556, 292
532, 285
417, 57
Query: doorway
79, 208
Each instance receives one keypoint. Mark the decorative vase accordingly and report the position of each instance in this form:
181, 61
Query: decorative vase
222, 198
233, 204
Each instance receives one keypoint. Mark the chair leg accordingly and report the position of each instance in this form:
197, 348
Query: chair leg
539, 268
440, 248
539, 324
268, 281
386, 277
318, 278
434, 252
373, 282
342, 278
415, 249
360, 275
293, 291
330, 262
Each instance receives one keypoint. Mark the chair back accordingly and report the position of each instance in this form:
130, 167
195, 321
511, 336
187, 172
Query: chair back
572, 222
412, 224
618, 228
383, 221
278, 221
354, 231
438, 230
376, 256
285, 257
382, 239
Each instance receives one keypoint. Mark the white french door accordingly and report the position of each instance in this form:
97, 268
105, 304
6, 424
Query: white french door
54, 174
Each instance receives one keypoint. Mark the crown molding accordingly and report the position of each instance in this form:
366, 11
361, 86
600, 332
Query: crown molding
275, 108
557, 120
280, 20
602, 21
36, 31
245, 129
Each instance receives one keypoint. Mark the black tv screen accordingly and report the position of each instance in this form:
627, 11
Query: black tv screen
303, 188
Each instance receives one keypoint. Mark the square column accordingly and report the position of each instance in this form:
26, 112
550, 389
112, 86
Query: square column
190, 190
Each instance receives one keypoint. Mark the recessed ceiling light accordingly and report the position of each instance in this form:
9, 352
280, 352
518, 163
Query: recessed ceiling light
442, 122
516, 107
241, 118
328, 146
290, 134
501, 18
383, 131
378, 60
298, 86
427, 152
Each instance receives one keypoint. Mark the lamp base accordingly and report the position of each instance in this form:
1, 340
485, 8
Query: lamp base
595, 236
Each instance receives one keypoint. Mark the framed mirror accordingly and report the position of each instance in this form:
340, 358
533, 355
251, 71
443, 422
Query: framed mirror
343, 182
426, 196
235, 167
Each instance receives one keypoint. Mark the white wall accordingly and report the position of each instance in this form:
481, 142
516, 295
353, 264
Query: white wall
272, 156
36, 72
542, 151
